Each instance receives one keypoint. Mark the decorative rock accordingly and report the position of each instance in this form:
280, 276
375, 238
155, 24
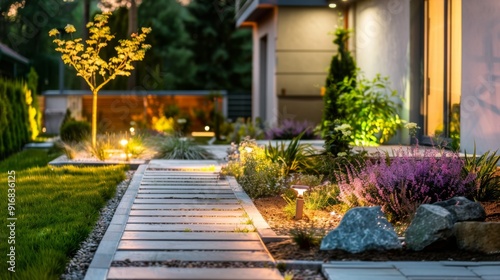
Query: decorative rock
432, 225
361, 229
463, 209
478, 236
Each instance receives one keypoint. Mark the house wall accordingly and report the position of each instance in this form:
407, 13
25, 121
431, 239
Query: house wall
265, 27
480, 101
303, 52
382, 45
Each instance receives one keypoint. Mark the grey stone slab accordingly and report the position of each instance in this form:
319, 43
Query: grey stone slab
227, 256
115, 227
191, 236
442, 271
190, 228
187, 195
96, 274
102, 260
188, 213
178, 187
208, 206
112, 235
107, 247
119, 219
490, 278
191, 245
360, 273
359, 265
486, 270
444, 278
193, 273
185, 201
188, 220
185, 191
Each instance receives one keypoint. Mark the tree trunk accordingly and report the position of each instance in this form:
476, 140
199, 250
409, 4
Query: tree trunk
94, 119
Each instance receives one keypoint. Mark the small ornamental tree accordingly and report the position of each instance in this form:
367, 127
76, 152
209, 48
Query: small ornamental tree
342, 66
90, 66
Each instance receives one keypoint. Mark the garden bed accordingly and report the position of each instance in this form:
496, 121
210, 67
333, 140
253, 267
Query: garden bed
271, 209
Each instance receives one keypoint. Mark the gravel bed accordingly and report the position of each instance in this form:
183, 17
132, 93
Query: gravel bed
78, 265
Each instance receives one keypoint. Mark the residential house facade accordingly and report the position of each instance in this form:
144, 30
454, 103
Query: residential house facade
442, 56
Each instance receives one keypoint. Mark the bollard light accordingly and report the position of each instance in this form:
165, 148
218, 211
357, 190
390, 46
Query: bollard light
299, 207
124, 144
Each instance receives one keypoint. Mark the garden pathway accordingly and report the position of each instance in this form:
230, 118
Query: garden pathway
181, 210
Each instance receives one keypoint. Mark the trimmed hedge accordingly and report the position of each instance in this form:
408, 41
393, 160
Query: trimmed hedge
75, 131
14, 117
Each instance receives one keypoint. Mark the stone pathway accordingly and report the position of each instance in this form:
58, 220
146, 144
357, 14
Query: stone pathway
183, 211
445, 270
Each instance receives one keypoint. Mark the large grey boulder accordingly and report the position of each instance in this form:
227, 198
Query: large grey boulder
481, 237
361, 229
432, 225
463, 209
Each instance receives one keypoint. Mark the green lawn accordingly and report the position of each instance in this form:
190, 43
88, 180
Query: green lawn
56, 208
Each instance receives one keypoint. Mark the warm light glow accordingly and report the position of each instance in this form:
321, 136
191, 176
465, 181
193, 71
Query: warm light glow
132, 130
248, 149
300, 189
44, 129
207, 128
332, 5
124, 142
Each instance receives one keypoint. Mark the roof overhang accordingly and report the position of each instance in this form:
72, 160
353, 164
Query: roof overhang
252, 10
4, 50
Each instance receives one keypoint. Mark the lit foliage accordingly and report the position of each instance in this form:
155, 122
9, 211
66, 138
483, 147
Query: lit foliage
371, 108
254, 171
89, 65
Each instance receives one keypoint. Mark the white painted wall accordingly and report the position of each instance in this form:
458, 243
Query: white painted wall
480, 102
382, 40
266, 26
304, 49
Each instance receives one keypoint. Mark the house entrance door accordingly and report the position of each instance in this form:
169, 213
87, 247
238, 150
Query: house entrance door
442, 67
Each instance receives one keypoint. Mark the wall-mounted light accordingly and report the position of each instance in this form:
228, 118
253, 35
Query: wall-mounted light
332, 5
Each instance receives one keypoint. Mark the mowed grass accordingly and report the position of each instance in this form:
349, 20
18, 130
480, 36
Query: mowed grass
56, 208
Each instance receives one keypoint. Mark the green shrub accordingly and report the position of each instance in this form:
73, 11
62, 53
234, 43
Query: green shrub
75, 131
15, 116
486, 181
293, 157
256, 174
371, 108
180, 148
306, 236
321, 197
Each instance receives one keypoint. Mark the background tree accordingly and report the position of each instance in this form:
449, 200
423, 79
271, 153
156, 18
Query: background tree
222, 53
86, 59
342, 67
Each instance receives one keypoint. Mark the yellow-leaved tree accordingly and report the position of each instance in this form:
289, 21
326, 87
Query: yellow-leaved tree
90, 66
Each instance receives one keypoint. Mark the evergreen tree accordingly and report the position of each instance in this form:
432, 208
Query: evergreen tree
222, 53
342, 66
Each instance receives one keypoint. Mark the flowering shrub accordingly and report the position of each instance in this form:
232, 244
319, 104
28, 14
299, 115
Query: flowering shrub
289, 129
404, 182
337, 138
256, 173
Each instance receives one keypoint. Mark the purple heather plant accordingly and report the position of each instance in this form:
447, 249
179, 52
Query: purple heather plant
402, 183
289, 129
